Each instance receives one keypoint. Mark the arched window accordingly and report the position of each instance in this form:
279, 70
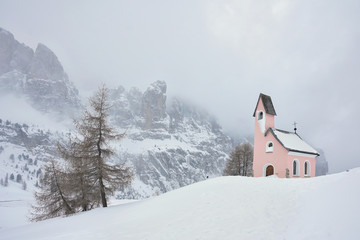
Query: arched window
296, 167
307, 168
269, 147
260, 115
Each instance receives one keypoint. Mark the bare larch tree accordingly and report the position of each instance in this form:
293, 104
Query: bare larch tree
240, 161
86, 177
84, 193
52, 200
97, 134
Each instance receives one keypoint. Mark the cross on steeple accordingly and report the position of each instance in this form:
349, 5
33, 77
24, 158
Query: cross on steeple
295, 126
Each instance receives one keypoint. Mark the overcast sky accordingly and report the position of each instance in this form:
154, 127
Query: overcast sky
218, 54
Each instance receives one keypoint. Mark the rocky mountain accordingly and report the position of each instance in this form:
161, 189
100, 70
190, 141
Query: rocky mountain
39, 76
169, 143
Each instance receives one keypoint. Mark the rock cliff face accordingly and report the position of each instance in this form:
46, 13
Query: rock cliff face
153, 108
38, 75
169, 146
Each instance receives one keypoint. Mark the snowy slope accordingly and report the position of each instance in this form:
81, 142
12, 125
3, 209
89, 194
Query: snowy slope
15, 204
221, 208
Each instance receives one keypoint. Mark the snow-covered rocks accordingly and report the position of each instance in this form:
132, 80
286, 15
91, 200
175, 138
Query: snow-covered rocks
170, 144
39, 76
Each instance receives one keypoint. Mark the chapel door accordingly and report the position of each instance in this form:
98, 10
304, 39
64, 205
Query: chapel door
269, 170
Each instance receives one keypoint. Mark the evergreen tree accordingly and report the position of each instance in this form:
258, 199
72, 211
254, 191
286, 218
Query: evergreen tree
240, 161
18, 178
51, 199
6, 182
24, 185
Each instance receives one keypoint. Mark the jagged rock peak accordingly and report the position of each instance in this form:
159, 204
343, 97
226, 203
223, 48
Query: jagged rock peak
159, 87
45, 65
153, 106
5, 32
14, 55
38, 76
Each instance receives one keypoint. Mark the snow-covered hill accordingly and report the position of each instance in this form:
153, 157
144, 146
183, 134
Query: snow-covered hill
324, 207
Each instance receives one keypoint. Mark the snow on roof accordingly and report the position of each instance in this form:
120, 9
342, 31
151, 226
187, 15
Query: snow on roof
292, 141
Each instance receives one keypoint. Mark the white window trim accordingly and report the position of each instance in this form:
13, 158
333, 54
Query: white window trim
269, 149
308, 168
297, 168
264, 169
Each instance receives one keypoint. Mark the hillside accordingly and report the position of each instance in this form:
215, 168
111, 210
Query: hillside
222, 208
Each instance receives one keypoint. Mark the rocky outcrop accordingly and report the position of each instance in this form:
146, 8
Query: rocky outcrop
45, 65
13, 55
39, 76
153, 108
170, 144
41, 144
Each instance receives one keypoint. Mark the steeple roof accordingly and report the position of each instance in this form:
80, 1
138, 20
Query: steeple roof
268, 105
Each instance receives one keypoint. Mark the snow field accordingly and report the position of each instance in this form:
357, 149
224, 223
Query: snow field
221, 208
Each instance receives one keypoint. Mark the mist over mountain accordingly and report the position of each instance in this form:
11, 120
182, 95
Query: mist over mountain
39, 76
169, 143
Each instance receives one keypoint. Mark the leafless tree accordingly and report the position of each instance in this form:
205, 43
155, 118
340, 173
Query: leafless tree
87, 177
96, 134
51, 199
240, 161
84, 194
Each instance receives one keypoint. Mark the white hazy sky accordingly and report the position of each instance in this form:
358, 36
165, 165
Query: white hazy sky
218, 54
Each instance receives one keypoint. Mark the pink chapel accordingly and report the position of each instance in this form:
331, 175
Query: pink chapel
278, 152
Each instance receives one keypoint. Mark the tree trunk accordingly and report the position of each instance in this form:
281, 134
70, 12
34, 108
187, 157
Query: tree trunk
102, 192
67, 206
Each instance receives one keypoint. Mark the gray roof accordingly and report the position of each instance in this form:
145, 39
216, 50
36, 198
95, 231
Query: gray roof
268, 105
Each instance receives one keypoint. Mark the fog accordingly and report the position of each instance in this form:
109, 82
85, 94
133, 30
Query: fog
217, 54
